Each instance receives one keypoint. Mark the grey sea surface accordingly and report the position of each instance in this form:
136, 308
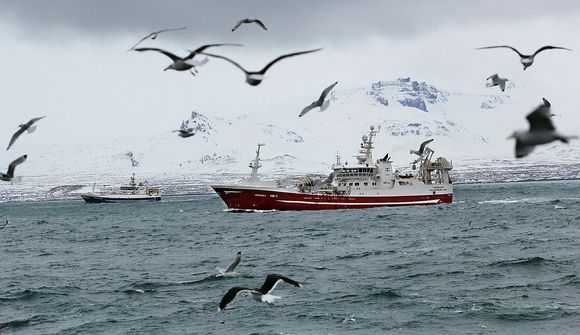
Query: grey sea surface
502, 259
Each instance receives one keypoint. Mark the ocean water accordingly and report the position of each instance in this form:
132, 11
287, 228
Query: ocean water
502, 259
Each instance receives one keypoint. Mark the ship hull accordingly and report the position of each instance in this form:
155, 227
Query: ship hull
94, 199
245, 198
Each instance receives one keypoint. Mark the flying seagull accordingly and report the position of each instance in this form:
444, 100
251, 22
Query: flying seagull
496, 80
421, 148
229, 272
28, 126
154, 34
256, 21
185, 133
186, 63
10, 173
261, 294
526, 60
254, 78
320, 102
541, 131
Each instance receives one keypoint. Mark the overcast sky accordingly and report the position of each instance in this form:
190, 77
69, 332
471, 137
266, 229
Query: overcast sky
67, 59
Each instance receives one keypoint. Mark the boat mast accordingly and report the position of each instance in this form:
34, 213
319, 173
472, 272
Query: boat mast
366, 148
255, 165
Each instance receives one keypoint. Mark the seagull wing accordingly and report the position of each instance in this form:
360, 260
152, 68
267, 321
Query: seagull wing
326, 91
492, 77
15, 136
285, 56
546, 102
272, 280
34, 120
13, 165
502, 85
547, 47
141, 40
155, 33
166, 53
523, 150
423, 145
502, 46
231, 294
309, 108
261, 24
168, 29
540, 119
227, 59
237, 25
234, 263
203, 47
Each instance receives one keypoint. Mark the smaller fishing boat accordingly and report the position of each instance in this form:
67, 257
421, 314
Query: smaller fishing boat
129, 193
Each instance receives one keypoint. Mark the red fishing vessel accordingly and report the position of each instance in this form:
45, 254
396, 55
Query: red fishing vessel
367, 184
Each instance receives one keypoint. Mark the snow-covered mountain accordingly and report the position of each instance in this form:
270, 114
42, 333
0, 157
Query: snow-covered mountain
467, 127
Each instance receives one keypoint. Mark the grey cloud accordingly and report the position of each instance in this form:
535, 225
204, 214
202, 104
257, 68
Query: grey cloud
288, 21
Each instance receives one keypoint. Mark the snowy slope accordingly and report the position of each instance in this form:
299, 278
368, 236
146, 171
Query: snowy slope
469, 128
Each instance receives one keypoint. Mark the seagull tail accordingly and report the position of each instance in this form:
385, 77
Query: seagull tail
488, 85
31, 129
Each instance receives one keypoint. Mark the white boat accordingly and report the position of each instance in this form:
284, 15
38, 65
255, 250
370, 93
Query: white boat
130, 193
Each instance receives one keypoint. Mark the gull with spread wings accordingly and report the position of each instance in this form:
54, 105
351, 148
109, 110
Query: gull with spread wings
320, 102
541, 131
185, 63
28, 126
260, 294
248, 20
254, 78
526, 60
9, 175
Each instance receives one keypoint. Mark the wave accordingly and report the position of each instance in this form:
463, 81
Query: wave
551, 311
503, 201
28, 294
390, 293
233, 210
531, 261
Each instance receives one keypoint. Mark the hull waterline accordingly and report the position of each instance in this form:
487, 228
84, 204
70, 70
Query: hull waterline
240, 198
100, 199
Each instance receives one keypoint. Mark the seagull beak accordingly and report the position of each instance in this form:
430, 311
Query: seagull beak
510, 137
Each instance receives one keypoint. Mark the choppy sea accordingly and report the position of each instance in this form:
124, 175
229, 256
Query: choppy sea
502, 259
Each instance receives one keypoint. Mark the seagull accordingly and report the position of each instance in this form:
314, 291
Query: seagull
421, 148
261, 294
10, 173
541, 131
327, 181
183, 64
28, 126
496, 80
185, 133
229, 272
320, 102
256, 21
526, 60
254, 78
154, 34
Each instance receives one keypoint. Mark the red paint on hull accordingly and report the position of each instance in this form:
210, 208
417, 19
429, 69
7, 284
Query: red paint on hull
271, 199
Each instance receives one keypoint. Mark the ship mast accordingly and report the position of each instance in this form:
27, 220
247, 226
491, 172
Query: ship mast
255, 165
366, 148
